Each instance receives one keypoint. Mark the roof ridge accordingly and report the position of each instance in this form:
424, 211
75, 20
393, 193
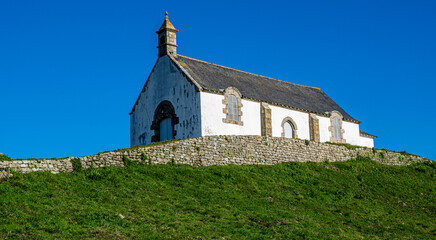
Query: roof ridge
245, 72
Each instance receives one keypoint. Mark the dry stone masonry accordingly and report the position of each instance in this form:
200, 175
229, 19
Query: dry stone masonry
216, 150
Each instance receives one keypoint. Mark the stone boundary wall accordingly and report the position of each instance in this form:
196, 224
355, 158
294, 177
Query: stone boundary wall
216, 150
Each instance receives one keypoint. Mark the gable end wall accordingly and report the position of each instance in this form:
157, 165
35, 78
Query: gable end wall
166, 82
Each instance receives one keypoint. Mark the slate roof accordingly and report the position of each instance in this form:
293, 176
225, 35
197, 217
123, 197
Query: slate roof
217, 78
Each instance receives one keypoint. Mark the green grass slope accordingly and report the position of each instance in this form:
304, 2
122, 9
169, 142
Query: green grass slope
347, 200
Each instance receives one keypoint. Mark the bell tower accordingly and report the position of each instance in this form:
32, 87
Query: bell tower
167, 38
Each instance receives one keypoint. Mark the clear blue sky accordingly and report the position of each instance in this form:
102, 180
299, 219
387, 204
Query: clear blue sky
70, 71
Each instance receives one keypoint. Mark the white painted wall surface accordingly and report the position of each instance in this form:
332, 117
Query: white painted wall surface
166, 82
212, 117
301, 119
366, 142
352, 135
324, 133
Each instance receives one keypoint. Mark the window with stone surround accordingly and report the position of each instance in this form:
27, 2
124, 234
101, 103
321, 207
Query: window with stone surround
232, 106
289, 128
337, 133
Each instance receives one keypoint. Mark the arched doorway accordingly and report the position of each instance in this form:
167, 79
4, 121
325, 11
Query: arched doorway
165, 129
164, 122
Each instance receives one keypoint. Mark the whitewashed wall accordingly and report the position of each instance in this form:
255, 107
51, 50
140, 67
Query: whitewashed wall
212, 123
212, 117
366, 142
324, 133
166, 82
352, 135
301, 119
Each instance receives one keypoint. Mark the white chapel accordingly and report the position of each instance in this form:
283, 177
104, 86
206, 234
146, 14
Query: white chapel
185, 97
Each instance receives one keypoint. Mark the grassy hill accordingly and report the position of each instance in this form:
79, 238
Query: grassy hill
349, 200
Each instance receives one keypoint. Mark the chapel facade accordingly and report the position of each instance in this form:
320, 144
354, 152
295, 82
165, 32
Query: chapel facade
185, 97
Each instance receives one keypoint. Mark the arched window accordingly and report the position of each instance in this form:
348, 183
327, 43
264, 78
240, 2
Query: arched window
233, 108
289, 128
336, 129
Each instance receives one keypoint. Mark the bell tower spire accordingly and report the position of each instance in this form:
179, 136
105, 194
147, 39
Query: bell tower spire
167, 38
